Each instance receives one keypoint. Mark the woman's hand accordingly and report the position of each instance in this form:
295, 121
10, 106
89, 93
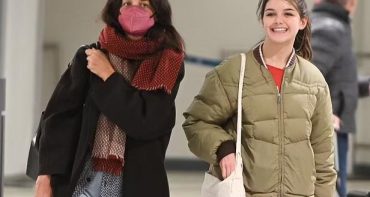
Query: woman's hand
43, 186
227, 165
98, 63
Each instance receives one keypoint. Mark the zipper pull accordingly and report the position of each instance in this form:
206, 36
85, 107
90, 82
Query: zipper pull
278, 95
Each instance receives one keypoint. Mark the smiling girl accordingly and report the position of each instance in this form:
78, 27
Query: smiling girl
287, 146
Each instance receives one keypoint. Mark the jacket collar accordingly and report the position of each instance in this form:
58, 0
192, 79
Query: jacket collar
258, 55
334, 10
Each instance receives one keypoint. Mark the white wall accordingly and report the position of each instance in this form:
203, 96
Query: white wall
190, 86
2, 33
21, 51
70, 24
210, 26
362, 40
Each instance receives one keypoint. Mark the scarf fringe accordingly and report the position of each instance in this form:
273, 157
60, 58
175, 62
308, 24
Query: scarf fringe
111, 165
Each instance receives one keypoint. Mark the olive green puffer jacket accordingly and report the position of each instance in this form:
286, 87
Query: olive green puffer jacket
287, 137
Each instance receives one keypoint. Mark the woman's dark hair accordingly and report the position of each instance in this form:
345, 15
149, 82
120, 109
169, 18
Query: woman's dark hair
162, 29
302, 43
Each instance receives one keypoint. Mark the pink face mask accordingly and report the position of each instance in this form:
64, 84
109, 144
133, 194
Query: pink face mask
135, 20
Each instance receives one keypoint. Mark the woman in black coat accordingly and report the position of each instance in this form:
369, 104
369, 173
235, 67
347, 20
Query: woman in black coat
107, 125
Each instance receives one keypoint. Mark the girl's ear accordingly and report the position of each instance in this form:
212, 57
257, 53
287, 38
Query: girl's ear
303, 23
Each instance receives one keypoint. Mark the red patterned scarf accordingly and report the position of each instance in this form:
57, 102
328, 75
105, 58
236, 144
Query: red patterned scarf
158, 70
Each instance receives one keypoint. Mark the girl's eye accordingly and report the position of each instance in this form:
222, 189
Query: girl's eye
289, 14
269, 14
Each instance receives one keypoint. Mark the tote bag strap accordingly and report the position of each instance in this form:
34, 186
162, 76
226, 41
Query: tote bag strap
239, 162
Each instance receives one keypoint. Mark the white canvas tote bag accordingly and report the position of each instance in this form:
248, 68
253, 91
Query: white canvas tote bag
233, 185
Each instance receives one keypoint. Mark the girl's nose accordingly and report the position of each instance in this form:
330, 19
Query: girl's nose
278, 19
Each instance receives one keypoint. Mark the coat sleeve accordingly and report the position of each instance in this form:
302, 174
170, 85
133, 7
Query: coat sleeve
322, 144
207, 113
62, 118
143, 115
326, 48
364, 88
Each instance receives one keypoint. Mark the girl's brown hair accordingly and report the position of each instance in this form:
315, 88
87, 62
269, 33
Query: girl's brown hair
302, 43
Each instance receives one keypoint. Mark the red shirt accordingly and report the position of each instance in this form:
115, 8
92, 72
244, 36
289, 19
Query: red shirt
277, 74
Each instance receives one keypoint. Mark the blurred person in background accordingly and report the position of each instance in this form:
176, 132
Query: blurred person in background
334, 56
108, 123
287, 131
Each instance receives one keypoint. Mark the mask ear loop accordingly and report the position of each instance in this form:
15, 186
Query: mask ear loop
154, 13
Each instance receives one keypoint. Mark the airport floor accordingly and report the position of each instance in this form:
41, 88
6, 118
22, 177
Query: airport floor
182, 184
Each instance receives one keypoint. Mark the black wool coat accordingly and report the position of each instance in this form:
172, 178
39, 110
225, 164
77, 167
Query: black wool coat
69, 125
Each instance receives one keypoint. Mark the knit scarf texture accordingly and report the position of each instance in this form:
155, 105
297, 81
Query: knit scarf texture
157, 69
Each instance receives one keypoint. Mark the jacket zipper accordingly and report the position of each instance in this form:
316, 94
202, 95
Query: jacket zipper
281, 132
280, 139
281, 115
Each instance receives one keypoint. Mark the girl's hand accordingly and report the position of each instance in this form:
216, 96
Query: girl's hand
43, 186
227, 165
98, 63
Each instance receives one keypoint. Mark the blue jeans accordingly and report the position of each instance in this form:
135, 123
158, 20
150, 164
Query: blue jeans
93, 189
342, 157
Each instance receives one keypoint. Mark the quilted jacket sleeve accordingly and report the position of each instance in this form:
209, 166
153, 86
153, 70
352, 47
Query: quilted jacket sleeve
209, 110
322, 144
